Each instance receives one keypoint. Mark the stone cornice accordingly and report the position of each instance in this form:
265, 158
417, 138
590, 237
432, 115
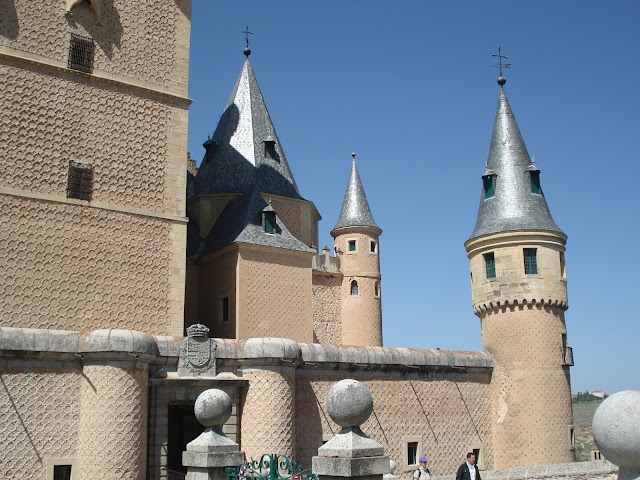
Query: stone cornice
513, 239
100, 76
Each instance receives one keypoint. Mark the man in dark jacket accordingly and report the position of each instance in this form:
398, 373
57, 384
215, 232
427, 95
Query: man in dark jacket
469, 470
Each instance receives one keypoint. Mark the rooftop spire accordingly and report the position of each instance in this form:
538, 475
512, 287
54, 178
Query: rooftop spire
245, 150
511, 199
355, 208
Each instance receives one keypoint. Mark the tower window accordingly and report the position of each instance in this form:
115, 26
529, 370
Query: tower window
373, 246
530, 261
270, 149
377, 289
270, 222
490, 265
81, 51
535, 182
563, 272
351, 245
354, 287
224, 309
489, 184
80, 181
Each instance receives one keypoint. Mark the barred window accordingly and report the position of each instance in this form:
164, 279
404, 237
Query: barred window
80, 180
81, 51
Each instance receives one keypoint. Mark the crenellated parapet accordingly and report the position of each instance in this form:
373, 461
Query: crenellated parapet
512, 304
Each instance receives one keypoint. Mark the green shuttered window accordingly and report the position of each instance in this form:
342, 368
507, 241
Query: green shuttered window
530, 261
490, 265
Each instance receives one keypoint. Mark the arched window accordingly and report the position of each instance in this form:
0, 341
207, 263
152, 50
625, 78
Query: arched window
354, 287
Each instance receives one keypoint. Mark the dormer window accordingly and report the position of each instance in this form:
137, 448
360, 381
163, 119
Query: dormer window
210, 147
535, 182
489, 183
269, 148
270, 222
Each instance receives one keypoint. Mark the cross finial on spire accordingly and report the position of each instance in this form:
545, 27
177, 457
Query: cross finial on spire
247, 50
500, 65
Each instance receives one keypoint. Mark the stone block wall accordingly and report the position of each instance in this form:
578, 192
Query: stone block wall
121, 256
327, 308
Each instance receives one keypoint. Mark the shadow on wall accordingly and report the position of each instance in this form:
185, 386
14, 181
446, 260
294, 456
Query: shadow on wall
9, 26
107, 32
185, 7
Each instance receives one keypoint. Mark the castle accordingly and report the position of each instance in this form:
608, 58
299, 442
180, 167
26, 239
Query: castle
113, 251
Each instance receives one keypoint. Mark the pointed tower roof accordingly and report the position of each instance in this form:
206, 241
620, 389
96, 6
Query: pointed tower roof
245, 150
355, 208
513, 205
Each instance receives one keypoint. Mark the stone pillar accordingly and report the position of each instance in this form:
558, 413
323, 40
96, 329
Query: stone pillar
112, 437
208, 455
616, 430
350, 453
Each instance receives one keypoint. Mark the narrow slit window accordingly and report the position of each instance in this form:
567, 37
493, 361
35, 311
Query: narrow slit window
224, 307
81, 51
80, 181
377, 289
354, 287
373, 246
412, 453
563, 272
530, 261
535, 182
490, 265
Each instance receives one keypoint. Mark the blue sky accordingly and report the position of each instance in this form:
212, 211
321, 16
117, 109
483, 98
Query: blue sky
407, 85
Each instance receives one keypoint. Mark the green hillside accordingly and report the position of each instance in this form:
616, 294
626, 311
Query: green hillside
582, 418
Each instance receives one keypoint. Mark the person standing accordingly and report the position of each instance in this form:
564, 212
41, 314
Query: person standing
422, 473
469, 470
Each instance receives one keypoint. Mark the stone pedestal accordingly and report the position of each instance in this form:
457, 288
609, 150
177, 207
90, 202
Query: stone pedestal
350, 453
207, 456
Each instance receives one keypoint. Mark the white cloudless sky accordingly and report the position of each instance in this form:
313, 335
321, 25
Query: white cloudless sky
408, 86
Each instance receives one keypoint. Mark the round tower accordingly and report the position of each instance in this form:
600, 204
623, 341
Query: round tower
519, 292
356, 242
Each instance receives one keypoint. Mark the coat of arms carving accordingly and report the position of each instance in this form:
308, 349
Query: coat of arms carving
197, 353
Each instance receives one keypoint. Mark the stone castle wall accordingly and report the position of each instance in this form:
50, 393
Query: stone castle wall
327, 308
39, 416
121, 256
218, 280
276, 285
446, 413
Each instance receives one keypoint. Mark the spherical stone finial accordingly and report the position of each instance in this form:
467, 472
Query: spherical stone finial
501, 80
349, 403
213, 408
247, 52
616, 429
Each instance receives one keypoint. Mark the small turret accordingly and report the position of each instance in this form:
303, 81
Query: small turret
519, 292
356, 239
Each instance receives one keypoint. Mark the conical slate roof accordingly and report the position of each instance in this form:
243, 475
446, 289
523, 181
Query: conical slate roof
236, 160
355, 208
513, 206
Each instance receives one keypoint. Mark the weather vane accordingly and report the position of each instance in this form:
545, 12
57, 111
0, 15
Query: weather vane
247, 50
500, 65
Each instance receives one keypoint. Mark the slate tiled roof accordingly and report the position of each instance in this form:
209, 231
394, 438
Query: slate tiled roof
237, 162
241, 222
513, 207
355, 207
